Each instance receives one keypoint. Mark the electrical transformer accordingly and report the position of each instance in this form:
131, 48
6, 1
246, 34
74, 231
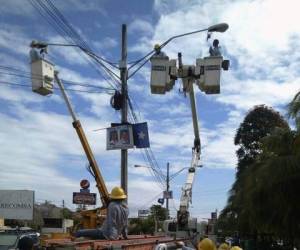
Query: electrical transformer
42, 75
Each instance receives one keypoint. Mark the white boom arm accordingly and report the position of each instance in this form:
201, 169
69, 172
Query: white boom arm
186, 195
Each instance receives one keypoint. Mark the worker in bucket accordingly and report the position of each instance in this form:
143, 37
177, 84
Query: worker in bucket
38, 51
158, 52
34, 53
115, 224
215, 50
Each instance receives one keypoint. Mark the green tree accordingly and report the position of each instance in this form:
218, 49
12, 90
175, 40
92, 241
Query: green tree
258, 123
149, 225
159, 212
273, 186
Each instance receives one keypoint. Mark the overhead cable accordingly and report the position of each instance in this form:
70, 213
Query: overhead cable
52, 15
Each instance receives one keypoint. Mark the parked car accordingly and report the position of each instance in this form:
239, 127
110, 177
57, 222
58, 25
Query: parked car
10, 237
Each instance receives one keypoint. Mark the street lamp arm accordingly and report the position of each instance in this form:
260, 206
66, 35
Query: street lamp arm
41, 45
177, 36
221, 27
159, 173
161, 46
177, 173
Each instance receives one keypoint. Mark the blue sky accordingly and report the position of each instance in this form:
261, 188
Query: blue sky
39, 148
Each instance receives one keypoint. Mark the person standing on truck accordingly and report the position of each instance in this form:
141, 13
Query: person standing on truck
115, 224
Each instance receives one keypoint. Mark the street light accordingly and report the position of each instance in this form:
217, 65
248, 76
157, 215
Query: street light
44, 46
168, 178
179, 171
221, 27
159, 173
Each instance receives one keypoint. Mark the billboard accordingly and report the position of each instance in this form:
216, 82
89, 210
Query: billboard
84, 198
143, 213
168, 195
119, 137
16, 204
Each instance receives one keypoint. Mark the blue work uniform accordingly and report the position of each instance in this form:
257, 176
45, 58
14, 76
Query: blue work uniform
114, 226
116, 221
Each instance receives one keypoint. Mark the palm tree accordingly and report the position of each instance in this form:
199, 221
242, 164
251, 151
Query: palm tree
273, 185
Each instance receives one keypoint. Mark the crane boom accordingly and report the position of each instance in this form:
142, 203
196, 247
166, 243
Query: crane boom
186, 73
87, 149
186, 194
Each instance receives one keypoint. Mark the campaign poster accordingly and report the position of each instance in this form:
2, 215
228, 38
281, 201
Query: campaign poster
119, 137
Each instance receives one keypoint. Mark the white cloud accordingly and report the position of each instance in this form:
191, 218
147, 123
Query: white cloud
89, 6
263, 26
141, 26
244, 94
17, 7
14, 40
106, 43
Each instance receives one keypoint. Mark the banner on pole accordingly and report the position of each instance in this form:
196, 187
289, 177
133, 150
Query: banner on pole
119, 137
140, 135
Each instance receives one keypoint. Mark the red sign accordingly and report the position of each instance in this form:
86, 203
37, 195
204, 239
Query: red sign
84, 198
85, 184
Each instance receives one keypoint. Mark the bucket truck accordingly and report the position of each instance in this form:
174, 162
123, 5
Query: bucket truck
206, 74
43, 76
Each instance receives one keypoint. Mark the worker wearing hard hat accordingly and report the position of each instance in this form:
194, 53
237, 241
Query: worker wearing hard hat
115, 224
158, 52
206, 244
236, 248
224, 246
34, 54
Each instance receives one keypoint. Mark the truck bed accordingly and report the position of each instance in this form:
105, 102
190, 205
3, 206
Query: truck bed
142, 242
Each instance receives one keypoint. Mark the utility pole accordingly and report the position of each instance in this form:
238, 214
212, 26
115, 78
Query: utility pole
168, 187
63, 209
123, 76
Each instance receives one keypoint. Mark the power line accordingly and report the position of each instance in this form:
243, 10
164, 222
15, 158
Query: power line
148, 154
40, 77
150, 201
60, 24
83, 45
29, 86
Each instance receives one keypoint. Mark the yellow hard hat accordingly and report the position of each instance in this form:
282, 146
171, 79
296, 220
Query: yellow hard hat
236, 248
206, 244
117, 193
156, 46
223, 246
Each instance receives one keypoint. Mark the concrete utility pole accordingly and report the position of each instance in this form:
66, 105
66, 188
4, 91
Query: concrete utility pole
168, 187
123, 76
